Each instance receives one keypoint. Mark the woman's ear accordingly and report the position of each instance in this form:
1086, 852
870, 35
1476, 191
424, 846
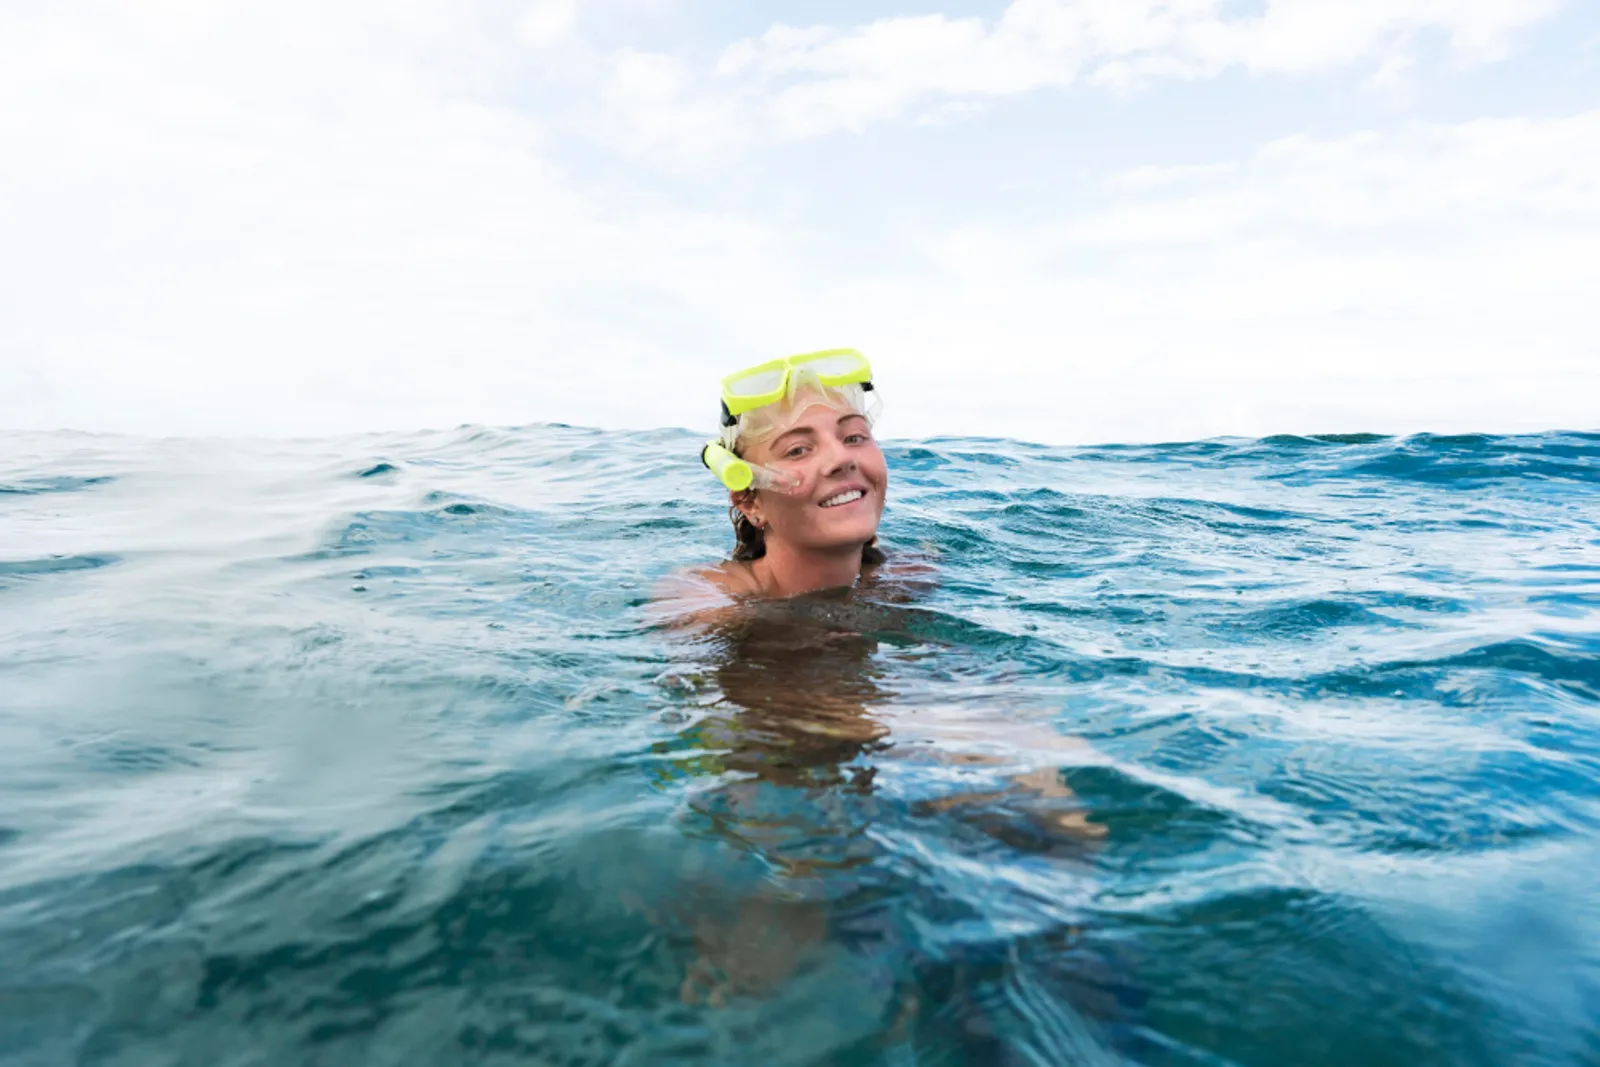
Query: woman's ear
750, 506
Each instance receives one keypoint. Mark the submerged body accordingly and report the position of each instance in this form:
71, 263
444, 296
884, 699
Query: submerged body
804, 732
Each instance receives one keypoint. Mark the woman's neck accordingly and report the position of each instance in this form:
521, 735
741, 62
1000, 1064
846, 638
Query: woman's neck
789, 571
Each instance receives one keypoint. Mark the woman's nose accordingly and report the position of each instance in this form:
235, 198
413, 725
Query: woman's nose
839, 458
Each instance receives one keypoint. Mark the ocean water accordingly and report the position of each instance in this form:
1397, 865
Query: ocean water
374, 751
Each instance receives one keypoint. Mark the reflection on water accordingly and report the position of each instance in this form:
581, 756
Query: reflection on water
801, 695
802, 719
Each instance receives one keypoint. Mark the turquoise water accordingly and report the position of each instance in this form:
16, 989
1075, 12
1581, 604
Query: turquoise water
370, 750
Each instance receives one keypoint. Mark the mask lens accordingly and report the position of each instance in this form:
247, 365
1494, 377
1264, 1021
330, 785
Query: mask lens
757, 383
837, 365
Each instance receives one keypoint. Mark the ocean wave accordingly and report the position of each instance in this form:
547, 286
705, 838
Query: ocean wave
371, 750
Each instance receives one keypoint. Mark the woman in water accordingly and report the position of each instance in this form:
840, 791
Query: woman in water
794, 621
807, 484
806, 480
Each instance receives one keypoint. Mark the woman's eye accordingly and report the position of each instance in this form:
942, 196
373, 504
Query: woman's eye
795, 453
855, 438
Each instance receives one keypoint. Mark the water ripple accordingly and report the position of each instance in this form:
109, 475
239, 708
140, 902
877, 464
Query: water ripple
370, 750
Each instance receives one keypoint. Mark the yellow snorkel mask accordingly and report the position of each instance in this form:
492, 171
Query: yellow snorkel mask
758, 402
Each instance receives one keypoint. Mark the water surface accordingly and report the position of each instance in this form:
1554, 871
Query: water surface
371, 750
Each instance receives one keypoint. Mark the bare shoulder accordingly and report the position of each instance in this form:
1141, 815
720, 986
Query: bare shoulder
697, 595
733, 577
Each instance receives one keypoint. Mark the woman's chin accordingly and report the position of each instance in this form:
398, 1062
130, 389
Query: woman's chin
846, 534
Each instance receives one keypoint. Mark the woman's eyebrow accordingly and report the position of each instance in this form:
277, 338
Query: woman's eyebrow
790, 433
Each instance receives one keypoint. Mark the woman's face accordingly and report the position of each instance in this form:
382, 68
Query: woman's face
842, 481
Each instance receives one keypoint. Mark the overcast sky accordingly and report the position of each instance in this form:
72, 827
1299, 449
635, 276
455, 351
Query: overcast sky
1064, 220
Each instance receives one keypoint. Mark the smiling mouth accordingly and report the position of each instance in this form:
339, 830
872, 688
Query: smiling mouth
849, 496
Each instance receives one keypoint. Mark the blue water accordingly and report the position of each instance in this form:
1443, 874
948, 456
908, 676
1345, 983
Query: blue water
373, 751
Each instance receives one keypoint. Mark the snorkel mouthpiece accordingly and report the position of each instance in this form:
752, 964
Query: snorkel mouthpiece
739, 475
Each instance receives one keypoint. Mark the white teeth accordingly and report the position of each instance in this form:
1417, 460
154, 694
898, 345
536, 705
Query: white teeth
843, 498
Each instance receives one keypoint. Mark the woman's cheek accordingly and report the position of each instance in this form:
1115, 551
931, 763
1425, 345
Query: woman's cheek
808, 478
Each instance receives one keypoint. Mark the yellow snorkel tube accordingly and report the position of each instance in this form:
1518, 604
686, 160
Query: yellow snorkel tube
738, 474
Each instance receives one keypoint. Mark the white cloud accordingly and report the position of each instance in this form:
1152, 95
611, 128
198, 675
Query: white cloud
1436, 275
547, 22
289, 219
821, 80
653, 108
217, 224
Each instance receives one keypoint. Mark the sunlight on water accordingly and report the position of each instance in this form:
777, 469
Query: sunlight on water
371, 750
